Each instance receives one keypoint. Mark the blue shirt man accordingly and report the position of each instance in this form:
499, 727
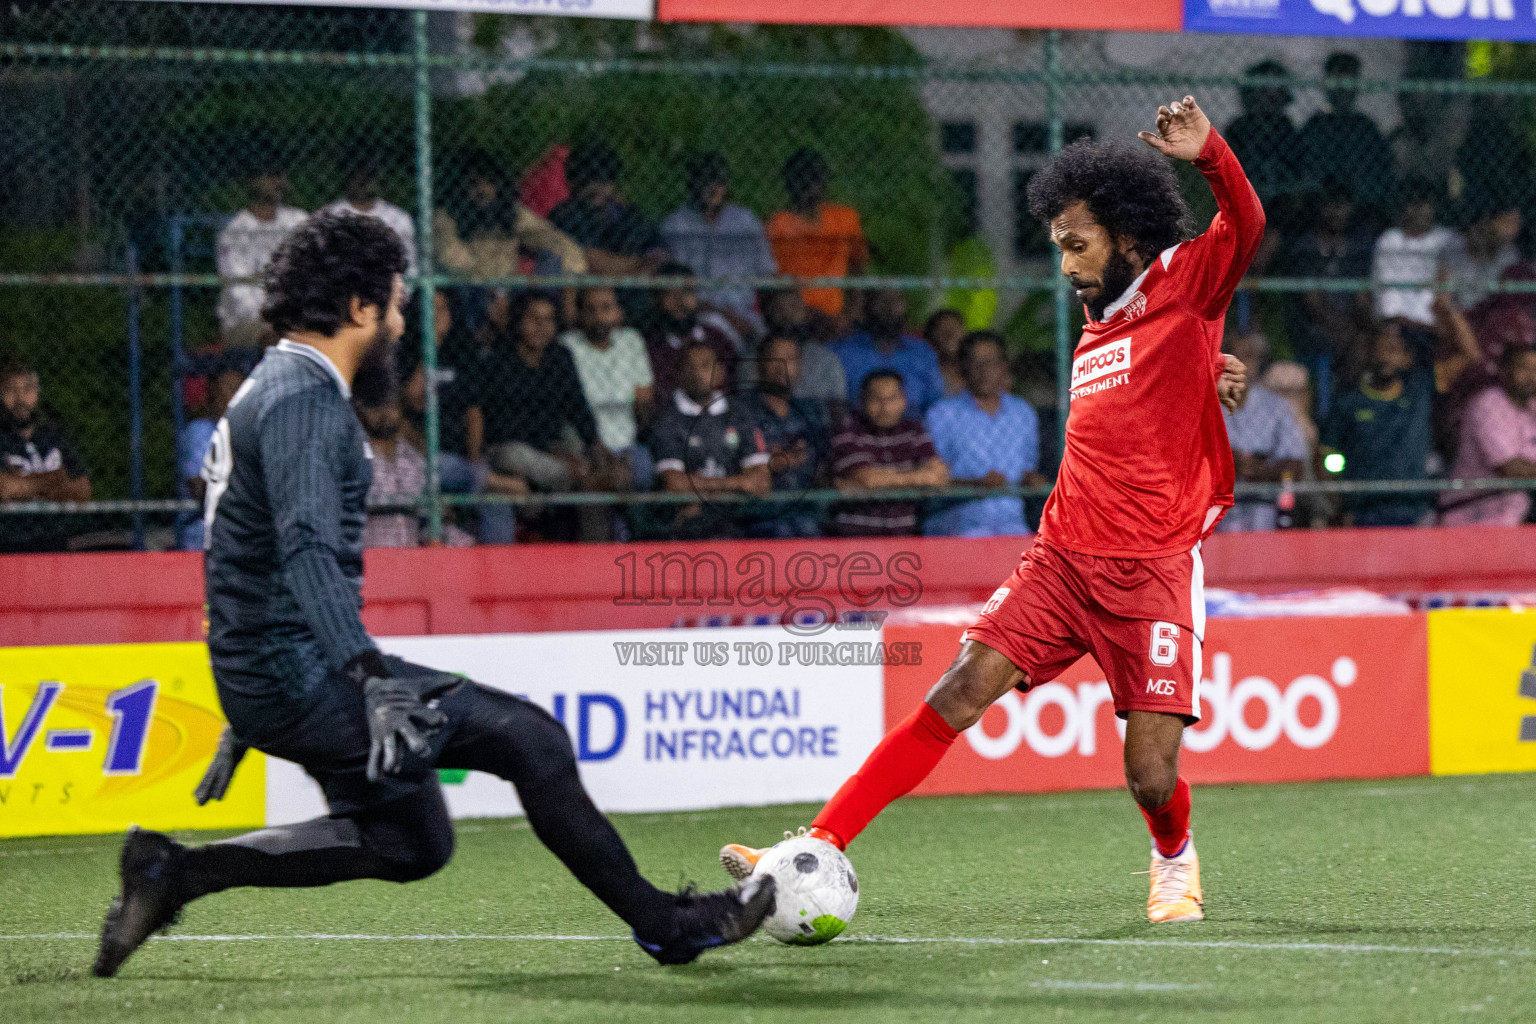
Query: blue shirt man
987, 437
885, 345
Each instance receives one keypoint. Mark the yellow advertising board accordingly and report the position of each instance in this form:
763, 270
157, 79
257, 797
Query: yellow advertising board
1482, 702
93, 739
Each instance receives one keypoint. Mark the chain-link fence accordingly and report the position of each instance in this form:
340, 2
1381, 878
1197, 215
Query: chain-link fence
560, 186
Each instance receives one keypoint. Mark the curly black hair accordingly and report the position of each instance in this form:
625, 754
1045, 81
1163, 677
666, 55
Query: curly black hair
323, 264
1131, 192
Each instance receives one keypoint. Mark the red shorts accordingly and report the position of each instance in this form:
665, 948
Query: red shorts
1143, 620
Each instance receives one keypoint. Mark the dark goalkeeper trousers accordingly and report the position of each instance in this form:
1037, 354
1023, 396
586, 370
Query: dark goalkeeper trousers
398, 829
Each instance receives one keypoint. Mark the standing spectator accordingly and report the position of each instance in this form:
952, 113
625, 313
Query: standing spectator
943, 331
1383, 427
399, 477
244, 248
821, 377
1327, 328
1495, 157
678, 324
192, 449
1425, 144
1263, 136
706, 444
616, 378
1410, 253
817, 238
796, 435
987, 438
1343, 144
880, 449
614, 234
1498, 439
361, 195
1268, 445
1476, 261
886, 345
720, 239
38, 462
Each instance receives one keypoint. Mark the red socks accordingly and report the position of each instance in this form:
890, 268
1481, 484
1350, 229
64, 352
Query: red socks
1169, 824
902, 760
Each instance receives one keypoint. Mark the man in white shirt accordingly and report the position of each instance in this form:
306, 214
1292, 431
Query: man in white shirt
362, 196
1410, 253
245, 247
616, 377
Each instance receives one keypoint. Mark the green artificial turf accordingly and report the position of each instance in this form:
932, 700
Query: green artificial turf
1402, 901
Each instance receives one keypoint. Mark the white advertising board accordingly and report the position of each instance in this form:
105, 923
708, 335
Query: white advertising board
662, 720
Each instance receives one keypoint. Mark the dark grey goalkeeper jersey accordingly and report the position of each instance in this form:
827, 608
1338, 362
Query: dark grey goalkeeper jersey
288, 474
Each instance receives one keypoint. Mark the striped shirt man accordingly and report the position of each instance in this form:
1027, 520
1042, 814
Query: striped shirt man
904, 447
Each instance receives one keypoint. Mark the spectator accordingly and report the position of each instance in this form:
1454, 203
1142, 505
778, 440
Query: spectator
1498, 439
795, 433
399, 477
192, 449
886, 345
1343, 144
821, 377
1383, 427
720, 239
678, 324
244, 248
616, 378
706, 444
459, 365
1501, 321
1494, 159
1425, 144
615, 236
1410, 253
1327, 328
879, 449
1263, 136
38, 462
943, 331
817, 238
1290, 381
1268, 444
1476, 261
361, 195
987, 438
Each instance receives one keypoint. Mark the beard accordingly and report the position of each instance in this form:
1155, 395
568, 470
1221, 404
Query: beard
1117, 277
378, 375
11, 422
682, 326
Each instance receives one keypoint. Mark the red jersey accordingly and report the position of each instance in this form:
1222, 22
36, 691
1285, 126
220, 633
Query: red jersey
1147, 470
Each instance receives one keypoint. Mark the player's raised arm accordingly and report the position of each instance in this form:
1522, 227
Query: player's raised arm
1216, 261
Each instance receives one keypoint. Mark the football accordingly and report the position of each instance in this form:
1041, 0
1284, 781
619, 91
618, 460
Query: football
817, 891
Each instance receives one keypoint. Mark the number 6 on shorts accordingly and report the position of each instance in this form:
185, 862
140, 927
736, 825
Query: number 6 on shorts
1165, 644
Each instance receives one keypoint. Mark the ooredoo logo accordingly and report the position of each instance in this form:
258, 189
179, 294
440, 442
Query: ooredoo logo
1254, 714
1101, 362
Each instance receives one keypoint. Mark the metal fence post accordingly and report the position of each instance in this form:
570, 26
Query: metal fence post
1062, 314
135, 397
427, 270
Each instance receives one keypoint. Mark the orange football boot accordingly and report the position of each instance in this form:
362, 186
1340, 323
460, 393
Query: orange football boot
1176, 894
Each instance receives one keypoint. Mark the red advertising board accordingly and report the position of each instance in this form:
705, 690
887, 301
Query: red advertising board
1283, 700
1109, 15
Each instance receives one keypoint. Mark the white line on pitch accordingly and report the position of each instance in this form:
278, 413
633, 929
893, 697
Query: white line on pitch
50, 853
1117, 986
1292, 947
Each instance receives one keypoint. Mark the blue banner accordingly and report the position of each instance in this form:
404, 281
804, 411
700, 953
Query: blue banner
1511, 20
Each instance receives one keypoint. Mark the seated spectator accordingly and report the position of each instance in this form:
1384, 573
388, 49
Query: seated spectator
796, 435
880, 449
1268, 445
1342, 144
817, 238
244, 248
987, 438
1494, 158
1424, 145
1498, 439
720, 239
1502, 321
1291, 382
1477, 260
1410, 253
1383, 426
943, 331
38, 462
706, 444
884, 344
677, 324
458, 368
1263, 136
361, 195
399, 477
614, 234
616, 379
821, 373
192, 449
1327, 328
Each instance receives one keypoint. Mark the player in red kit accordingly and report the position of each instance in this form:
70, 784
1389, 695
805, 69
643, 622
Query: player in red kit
1115, 571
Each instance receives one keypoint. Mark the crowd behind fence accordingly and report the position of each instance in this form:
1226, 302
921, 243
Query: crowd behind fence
650, 288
